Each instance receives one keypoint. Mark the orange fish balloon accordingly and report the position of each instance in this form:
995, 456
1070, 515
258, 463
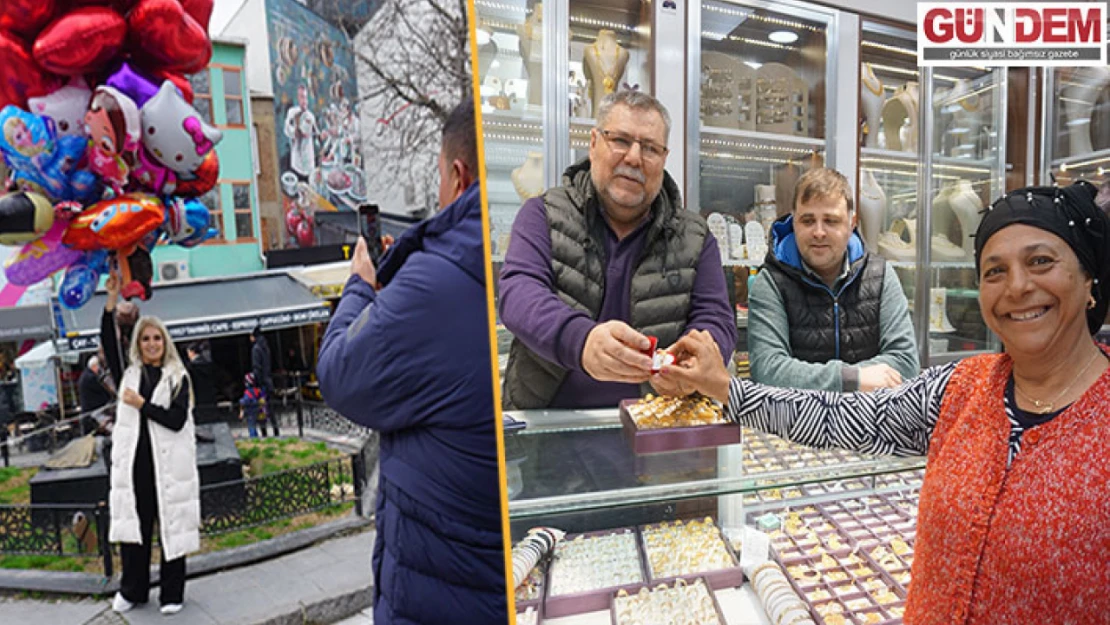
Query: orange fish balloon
115, 224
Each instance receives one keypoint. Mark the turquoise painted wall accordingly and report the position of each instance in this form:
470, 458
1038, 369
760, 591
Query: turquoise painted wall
230, 256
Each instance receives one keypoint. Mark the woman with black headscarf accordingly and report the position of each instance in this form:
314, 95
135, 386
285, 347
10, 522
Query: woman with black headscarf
1014, 514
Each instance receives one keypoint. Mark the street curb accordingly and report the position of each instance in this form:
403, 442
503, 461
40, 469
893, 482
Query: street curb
203, 564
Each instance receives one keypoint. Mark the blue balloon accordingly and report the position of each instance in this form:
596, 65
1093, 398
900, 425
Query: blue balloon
81, 279
187, 221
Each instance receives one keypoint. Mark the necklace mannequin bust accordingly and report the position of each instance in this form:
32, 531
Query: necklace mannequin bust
871, 96
967, 206
531, 52
528, 178
872, 209
605, 61
900, 119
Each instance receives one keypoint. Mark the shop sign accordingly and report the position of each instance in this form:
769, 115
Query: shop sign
188, 330
1011, 34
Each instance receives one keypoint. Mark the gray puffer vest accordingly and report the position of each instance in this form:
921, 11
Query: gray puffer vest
827, 325
661, 284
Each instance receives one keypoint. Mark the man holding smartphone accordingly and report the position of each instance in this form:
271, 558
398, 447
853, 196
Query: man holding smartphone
412, 361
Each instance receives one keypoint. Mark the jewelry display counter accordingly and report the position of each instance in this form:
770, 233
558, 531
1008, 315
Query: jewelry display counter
662, 517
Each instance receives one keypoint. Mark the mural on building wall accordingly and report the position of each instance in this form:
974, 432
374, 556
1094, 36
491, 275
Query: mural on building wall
318, 135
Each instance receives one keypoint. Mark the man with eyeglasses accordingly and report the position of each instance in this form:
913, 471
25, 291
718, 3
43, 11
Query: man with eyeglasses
597, 265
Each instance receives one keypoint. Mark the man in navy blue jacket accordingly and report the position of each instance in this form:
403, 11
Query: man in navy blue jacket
412, 361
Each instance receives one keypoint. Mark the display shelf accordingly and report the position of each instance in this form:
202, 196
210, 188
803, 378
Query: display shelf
1097, 162
581, 447
955, 264
803, 143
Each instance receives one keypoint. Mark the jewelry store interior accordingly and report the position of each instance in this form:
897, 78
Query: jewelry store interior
611, 528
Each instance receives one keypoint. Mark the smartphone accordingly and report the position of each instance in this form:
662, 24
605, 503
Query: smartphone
370, 227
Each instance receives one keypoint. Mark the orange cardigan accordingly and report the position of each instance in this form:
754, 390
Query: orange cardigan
1025, 545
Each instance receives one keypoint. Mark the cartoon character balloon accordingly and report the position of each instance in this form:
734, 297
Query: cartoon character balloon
65, 106
42, 257
115, 224
113, 127
187, 222
141, 86
40, 161
175, 141
24, 217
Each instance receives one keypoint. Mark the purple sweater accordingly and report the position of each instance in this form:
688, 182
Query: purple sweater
532, 311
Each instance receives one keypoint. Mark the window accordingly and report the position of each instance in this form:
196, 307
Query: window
202, 93
233, 96
215, 211
244, 222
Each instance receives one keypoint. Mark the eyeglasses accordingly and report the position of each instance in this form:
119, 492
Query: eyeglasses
621, 143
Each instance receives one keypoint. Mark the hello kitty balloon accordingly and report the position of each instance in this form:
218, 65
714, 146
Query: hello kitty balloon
66, 106
175, 140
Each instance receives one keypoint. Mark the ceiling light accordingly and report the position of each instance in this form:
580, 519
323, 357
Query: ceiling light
783, 36
483, 36
753, 64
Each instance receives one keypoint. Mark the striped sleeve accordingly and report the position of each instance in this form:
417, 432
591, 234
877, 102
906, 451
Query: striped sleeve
895, 422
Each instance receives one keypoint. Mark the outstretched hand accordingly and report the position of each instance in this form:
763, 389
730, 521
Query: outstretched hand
698, 366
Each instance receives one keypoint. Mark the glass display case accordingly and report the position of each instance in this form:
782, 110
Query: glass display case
931, 157
576, 471
758, 119
536, 123
1077, 122
962, 170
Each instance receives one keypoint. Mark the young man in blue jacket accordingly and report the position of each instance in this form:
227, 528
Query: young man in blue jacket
824, 313
412, 361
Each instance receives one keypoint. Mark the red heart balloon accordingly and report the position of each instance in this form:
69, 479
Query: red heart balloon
200, 10
163, 36
81, 42
25, 17
20, 76
121, 6
182, 83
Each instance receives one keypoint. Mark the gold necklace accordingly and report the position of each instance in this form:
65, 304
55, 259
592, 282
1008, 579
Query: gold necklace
1045, 407
608, 76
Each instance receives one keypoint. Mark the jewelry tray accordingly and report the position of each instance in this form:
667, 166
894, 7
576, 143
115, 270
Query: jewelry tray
537, 603
675, 439
860, 529
712, 595
729, 577
590, 600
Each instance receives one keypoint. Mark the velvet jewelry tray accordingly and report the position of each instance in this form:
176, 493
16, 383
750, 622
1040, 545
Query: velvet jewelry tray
675, 439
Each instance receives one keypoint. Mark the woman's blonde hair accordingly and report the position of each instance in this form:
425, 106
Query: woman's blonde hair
171, 360
170, 356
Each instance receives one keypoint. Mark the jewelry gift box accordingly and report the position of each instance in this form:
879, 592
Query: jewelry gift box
586, 569
662, 439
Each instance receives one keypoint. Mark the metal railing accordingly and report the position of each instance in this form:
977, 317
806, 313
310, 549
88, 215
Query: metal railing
81, 530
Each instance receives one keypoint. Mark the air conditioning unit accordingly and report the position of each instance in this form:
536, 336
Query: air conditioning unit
173, 270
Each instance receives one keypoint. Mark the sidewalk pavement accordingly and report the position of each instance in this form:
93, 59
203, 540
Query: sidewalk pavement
328, 582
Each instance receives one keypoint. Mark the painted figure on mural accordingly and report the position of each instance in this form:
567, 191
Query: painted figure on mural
300, 128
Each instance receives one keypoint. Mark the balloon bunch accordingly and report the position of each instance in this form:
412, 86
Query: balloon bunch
105, 152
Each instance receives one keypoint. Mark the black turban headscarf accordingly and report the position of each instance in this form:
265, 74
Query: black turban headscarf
1071, 214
